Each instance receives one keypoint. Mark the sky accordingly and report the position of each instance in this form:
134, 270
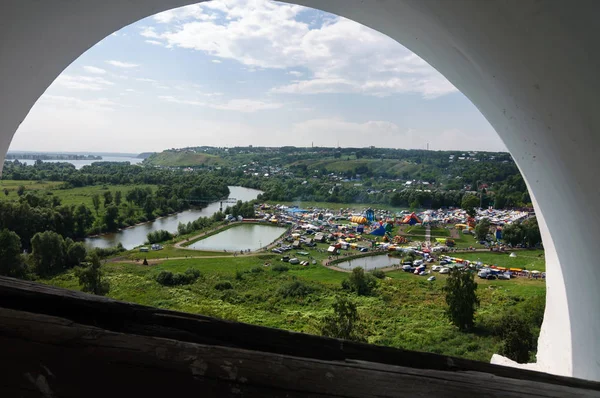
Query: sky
250, 72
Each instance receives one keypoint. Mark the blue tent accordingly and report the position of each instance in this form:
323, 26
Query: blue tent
379, 231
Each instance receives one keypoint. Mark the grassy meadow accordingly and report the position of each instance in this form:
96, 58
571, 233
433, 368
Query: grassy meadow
72, 196
406, 311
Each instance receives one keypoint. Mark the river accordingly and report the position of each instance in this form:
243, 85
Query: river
84, 162
369, 263
135, 236
240, 237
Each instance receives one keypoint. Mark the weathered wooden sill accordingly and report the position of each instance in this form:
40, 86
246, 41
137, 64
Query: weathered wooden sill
61, 343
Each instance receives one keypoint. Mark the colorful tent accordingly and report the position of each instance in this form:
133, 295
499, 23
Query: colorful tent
358, 219
379, 231
411, 219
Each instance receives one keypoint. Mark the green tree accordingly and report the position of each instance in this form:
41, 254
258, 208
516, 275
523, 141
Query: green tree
531, 232
359, 282
111, 217
118, 198
461, 297
469, 203
396, 200
83, 220
517, 338
90, 277
48, 253
482, 229
344, 323
96, 202
513, 234
108, 198
76, 254
149, 208
10, 254
21, 190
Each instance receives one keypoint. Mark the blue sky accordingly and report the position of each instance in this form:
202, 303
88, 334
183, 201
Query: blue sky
240, 72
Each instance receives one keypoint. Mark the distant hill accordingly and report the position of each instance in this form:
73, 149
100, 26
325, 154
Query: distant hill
183, 159
145, 155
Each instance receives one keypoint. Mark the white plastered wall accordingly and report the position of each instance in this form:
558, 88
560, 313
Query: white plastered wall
531, 67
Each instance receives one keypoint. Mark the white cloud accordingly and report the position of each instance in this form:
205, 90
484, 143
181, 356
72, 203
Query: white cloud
216, 61
94, 70
93, 83
195, 11
239, 105
145, 79
341, 55
120, 64
154, 42
73, 103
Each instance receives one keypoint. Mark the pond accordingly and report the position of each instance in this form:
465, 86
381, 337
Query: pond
240, 237
135, 236
370, 263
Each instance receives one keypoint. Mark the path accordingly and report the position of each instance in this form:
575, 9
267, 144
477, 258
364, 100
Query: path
154, 261
428, 235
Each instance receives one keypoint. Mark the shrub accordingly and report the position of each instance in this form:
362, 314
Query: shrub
159, 236
295, 289
225, 285
280, 268
344, 323
517, 338
167, 278
239, 275
359, 282
256, 270
379, 274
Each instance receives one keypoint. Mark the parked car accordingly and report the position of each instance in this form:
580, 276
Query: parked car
483, 273
491, 277
278, 251
436, 268
505, 276
294, 261
285, 258
443, 262
407, 268
445, 270
363, 250
407, 262
431, 278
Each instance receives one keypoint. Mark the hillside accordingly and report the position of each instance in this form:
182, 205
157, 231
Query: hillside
183, 159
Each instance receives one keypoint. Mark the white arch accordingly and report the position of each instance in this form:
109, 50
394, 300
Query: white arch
529, 66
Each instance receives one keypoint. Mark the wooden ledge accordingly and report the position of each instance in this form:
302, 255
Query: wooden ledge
61, 343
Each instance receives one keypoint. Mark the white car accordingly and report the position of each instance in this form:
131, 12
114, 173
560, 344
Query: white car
445, 270
436, 268
431, 278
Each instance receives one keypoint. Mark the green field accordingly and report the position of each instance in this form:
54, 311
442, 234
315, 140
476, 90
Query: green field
406, 312
184, 159
72, 196
529, 259
13, 185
